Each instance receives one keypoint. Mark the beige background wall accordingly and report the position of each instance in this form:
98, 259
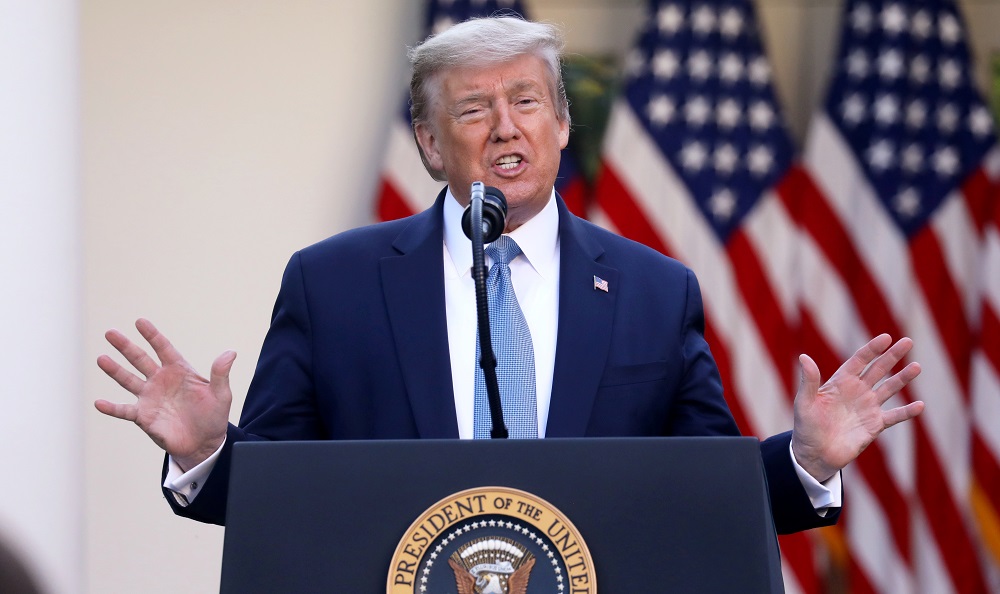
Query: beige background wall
220, 136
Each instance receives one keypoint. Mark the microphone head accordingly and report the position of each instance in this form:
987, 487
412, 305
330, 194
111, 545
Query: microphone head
494, 214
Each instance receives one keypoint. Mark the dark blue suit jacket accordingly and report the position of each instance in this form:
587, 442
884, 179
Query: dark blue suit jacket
358, 349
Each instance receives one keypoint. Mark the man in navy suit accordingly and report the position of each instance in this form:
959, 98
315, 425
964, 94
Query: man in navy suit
374, 330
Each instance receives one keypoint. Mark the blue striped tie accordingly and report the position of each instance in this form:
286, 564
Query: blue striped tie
513, 348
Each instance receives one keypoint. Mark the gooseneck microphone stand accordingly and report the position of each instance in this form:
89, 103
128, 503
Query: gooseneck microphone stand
492, 226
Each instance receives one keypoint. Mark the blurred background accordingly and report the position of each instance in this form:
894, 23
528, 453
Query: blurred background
164, 160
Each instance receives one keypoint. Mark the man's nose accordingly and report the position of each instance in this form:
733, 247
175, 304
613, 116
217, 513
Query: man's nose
504, 126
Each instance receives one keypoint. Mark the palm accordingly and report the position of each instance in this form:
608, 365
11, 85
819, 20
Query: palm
181, 411
835, 422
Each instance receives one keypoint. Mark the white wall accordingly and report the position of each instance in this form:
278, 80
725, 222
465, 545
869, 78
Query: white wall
218, 137
40, 291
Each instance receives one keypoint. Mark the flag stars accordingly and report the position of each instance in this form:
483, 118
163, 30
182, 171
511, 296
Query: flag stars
700, 65
950, 74
703, 20
731, 68
916, 114
725, 159
890, 64
762, 116
880, 155
661, 110
945, 161
947, 118
858, 64
728, 114
760, 160
669, 19
760, 71
921, 26
920, 69
693, 156
913, 158
696, 111
665, 64
980, 121
887, 110
862, 19
731, 23
853, 110
907, 203
722, 204
893, 19
949, 29
635, 63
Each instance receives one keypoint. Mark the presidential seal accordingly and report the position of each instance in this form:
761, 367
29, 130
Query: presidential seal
492, 540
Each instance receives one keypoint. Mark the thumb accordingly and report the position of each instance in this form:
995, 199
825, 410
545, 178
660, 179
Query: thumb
810, 378
219, 380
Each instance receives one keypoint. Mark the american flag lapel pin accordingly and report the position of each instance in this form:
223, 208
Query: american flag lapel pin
600, 284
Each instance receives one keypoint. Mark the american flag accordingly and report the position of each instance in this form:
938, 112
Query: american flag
903, 157
405, 187
697, 163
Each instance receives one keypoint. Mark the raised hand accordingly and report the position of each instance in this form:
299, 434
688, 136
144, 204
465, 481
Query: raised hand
181, 411
835, 422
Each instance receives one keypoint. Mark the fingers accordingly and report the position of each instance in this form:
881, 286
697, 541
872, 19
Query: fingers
809, 383
883, 365
903, 413
126, 412
121, 375
897, 382
862, 357
219, 380
161, 346
132, 352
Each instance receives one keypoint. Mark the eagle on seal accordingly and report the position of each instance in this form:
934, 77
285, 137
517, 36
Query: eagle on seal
467, 583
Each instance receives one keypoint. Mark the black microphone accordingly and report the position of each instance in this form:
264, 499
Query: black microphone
483, 222
494, 212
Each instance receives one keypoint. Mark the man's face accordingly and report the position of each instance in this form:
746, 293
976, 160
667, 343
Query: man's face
498, 125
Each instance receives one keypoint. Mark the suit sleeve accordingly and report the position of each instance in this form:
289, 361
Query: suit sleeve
280, 404
702, 410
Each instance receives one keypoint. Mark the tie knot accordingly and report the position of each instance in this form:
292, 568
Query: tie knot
503, 250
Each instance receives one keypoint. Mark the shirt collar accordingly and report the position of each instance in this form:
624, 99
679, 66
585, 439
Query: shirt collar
538, 238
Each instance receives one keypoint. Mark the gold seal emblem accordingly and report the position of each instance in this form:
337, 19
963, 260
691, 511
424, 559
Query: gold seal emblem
492, 540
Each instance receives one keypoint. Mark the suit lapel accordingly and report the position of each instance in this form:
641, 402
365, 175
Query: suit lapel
413, 288
586, 315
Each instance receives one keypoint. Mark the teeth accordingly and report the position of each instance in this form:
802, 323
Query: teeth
508, 162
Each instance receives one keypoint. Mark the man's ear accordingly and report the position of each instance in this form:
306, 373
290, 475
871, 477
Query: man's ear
563, 133
428, 144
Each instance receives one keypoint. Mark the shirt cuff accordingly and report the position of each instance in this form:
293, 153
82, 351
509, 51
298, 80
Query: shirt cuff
824, 495
185, 486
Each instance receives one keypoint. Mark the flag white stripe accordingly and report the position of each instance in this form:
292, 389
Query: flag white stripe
986, 406
960, 245
772, 234
868, 534
930, 571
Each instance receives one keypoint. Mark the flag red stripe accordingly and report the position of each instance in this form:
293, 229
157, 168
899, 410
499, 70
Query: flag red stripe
797, 549
978, 192
763, 307
987, 471
946, 521
390, 204
989, 337
944, 303
857, 578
